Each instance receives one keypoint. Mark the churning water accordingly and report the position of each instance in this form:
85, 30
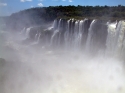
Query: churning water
69, 57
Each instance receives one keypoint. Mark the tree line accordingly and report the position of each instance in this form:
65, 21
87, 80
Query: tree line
39, 15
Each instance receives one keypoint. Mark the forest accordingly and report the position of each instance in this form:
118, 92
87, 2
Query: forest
39, 15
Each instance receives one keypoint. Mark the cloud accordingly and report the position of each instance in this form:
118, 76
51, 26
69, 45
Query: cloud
31, 6
55, 0
40, 4
3, 4
25, 0
70, 1
63, 0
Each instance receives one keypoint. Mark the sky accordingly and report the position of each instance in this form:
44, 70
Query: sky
7, 7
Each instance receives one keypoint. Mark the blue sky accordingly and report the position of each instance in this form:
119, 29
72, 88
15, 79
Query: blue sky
8, 7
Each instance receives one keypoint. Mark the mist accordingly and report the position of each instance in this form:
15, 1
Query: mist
64, 56
45, 50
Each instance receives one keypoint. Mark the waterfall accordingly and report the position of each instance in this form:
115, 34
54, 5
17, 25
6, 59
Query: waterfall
67, 34
59, 32
80, 31
53, 27
79, 35
28, 32
65, 58
36, 36
22, 31
52, 37
111, 39
116, 39
120, 45
55, 24
89, 38
59, 25
75, 37
55, 38
71, 36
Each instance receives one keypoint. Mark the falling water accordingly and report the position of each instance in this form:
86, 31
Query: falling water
38, 39
38, 69
36, 36
23, 31
56, 39
111, 39
54, 24
79, 38
120, 45
28, 32
67, 34
90, 34
75, 37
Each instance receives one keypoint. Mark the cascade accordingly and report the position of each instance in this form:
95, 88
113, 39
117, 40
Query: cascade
55, 24
71, 36
67, 34
120, 39
111, 39
59, 32
22, 31
55, 36
90, 34
36, 36
75, 35
28, 32
59, 25
48, 68
80, 34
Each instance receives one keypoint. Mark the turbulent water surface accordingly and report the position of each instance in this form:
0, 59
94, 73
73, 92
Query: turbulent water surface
32, 67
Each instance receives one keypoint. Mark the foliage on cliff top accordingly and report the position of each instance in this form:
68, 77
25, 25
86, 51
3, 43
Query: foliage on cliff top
39, 15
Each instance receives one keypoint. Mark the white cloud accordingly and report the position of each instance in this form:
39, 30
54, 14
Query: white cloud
63, 0
25, 0
40, 4
70, 1
3, 4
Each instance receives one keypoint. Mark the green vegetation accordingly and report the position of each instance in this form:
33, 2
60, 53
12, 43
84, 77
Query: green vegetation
41, 15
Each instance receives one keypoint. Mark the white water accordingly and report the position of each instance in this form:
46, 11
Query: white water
67, 35
27, 32
37, 69
111, 38
89, 38
121, 37
115, 38
36, 36
75, 35
54, 36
